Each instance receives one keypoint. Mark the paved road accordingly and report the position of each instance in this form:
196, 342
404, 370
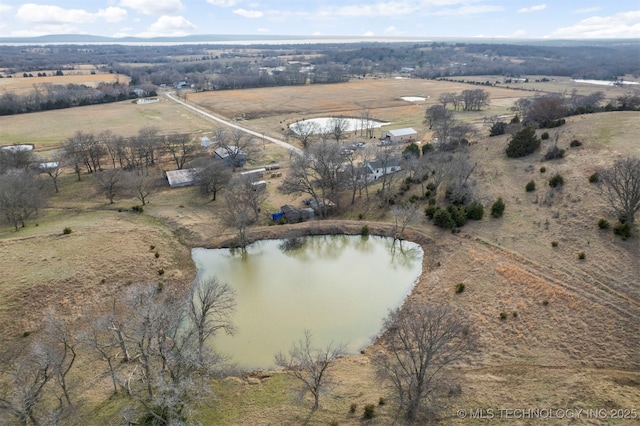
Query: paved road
233, 125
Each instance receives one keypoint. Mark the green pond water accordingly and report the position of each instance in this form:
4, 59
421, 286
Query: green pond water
339, 287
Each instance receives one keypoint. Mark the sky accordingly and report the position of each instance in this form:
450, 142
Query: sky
517, 19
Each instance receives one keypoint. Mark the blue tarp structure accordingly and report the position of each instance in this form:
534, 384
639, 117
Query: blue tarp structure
276, 216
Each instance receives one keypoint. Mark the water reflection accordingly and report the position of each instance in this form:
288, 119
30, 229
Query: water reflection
339, 287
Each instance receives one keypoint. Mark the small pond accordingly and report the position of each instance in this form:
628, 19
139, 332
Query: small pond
338, 287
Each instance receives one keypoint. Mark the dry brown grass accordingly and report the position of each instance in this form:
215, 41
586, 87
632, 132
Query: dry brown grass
575, 340
555, 85
24, 85
271, 110
51, 128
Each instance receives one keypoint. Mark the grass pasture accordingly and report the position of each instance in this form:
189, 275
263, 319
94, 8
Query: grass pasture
24, 85
49, 129
573, 343
556, 84
271, 110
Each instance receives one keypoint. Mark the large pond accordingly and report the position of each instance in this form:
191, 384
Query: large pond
340, 288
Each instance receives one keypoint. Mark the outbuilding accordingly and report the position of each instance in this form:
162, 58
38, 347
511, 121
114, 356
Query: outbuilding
401, 135
231, 155
180, 178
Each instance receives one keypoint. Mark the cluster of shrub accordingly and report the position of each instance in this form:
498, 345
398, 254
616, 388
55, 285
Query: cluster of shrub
456, 216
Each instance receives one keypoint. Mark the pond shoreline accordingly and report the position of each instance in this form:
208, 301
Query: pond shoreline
431, 250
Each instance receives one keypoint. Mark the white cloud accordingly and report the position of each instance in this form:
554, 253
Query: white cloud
169, 26
390, 30
5, 8
587, 10
53, 14
536, 8
45, 29
620, 25
113, 14
223, 3
154, 7
248, 13
263, 30
468, 10
409, 7
368, 34
59, 20
393, 8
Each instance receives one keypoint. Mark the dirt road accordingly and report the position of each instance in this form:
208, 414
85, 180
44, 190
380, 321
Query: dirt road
233, 125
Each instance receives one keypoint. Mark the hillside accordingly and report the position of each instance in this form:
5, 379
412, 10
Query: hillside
570, 338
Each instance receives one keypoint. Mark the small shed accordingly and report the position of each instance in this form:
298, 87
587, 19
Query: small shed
291, 213
307, 213
231, 155
401, 135
327, 205
205, 142
180, 178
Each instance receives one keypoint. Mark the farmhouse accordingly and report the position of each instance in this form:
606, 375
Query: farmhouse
377, 168
231, 155
401, 135
180, 178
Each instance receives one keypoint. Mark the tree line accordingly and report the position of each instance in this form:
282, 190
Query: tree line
150, 67
48, 96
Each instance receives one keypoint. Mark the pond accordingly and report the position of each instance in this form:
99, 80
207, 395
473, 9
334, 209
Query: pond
338, 287
322, 123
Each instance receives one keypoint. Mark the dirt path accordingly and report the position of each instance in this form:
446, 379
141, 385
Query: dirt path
234, 126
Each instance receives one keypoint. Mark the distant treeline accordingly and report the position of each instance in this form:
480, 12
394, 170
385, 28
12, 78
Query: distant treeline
47, 96
206, 67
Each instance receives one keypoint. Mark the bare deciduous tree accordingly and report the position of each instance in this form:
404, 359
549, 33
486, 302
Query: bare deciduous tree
304, 131
140, 186
238, 145
99, 337
53, 169
387, 159
15, 158
620, 186
109, 182
403, 215
20, 197
211, 175
171, 337
338, 127
419, 342
29, 374
309, 365
241, 208
181, 148
60, 346
209, 306
317, 172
